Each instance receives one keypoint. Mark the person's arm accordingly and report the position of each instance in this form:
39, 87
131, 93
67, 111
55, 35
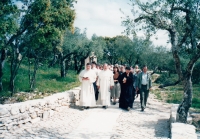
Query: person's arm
120, 78
111, 81
150, 82
98, 83
129, 78
92, 77
138, 81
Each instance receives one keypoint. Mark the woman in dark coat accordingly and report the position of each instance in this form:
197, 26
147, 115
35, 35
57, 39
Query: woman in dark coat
126, 96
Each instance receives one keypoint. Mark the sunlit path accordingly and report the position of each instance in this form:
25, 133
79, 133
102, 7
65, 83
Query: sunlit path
100, 123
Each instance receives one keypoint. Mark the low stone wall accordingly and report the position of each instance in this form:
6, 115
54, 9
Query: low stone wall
16, 115
181, 130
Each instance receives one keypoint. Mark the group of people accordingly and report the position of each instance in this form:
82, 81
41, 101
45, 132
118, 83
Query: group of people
103, 85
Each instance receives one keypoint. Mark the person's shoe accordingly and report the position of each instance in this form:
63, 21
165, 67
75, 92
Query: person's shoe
114, 103
105, 107
128, 108
87, 107
142, 109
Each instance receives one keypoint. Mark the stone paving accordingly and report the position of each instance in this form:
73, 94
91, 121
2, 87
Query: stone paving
99, 123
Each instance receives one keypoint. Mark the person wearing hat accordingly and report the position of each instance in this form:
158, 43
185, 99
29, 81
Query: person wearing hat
126, 96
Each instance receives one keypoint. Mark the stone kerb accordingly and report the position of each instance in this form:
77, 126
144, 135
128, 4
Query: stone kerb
181, 130
16, 115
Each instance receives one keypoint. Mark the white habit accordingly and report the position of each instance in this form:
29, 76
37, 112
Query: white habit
105, 80
87, 96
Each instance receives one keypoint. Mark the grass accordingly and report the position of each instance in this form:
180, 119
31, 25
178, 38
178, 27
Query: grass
48, 81
174, 94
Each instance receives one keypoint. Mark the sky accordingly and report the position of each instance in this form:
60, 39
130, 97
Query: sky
103, 18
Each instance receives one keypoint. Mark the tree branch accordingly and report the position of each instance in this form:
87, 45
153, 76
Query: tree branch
180, 9
151, 19
192, 62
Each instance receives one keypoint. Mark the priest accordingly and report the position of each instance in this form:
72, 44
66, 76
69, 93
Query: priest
126, 96
105, 83
87, 96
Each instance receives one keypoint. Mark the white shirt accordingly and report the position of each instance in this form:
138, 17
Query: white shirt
96, 71
144, 78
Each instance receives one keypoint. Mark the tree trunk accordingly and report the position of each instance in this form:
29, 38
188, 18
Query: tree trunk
169, 74
12, 84
12, 72
67, 64
32, 82
187, 101
2, 61
75, 63
62, 66
81, 66
1, 75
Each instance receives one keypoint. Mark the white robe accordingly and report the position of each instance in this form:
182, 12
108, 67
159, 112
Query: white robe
105, 80
87, 96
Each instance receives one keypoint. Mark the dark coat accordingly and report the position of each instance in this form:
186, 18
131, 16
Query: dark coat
126, 96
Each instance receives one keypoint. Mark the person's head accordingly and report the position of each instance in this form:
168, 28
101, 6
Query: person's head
105, 66
122, 68
88, 66
127, 69
137, 71
136, 67
108, 65
115, 69
98, 66
94, 64
144, 68
132, 70
111, 67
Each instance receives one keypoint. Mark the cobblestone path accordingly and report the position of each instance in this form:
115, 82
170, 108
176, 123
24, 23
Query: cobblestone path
98, 123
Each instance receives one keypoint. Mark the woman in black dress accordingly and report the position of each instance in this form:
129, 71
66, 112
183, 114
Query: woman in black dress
126, 96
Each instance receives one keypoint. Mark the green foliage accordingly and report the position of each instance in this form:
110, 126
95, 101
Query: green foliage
174, 94
196, 74
8, 21
164, 78
48, 81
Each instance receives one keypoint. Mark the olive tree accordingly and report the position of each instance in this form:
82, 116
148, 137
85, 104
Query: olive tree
180, 18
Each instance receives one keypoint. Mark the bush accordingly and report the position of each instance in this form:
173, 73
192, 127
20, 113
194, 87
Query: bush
196, 103
196, 74
165, 79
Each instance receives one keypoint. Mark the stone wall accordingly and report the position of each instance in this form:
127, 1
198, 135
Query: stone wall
181, 130
16, 115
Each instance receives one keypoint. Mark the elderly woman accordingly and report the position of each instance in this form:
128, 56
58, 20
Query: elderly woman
115, 91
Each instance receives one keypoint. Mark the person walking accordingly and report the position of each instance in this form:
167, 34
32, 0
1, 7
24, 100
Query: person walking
94, 83
126, 96
105, 83
115, 91
135, 91
87, 95
144, 85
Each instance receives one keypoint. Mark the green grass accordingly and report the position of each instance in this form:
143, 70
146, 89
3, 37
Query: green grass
48, 81
174, 94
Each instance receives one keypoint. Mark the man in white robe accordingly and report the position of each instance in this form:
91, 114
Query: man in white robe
105, 83
87, 96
